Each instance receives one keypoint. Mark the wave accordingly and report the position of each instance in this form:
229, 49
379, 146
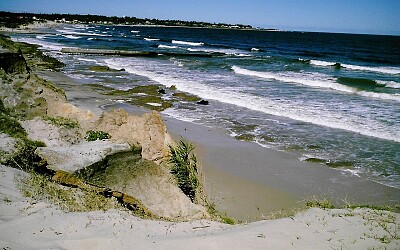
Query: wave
68, 32
44, 45
384, 96
167, 47
389, 84
384, 70
71, 36
135, 31
312, 80
262, 104
86, 60
220, 51
187, 43
318, 81
323, 63
151, 39
254, 49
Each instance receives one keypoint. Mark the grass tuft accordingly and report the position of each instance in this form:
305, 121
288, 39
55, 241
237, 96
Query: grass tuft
60, 121
40, 187
96, 135
184, 167
320, 203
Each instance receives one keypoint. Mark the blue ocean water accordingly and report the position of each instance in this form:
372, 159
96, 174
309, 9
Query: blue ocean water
328, 98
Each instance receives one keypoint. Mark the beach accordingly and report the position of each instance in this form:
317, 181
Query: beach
243, 179
263, 189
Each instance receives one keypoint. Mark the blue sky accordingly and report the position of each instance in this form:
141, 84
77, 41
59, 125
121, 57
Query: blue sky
349, 16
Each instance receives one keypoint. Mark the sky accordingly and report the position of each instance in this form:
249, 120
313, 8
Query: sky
344, 16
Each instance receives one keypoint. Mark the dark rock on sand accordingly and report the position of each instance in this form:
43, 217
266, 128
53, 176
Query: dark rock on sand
203, 102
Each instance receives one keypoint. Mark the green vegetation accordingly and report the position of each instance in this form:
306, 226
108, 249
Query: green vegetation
60, 121
96, 135
186, 97
184, 167
320, 203
99, 68
246, 137
228, 220
9, 125
40, 187
395, 209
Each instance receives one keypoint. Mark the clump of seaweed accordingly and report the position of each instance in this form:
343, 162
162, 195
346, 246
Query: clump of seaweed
184, 167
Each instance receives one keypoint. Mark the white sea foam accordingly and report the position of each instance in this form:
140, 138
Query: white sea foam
321, 63
314, 80
167, 47
90, 38
135, 31
311, 79
68, 32
255, 49
389, 84
151, 39
43, 44
222, 51
71, 36
384, 96
187, 43
384, 70
86, 59
154, 104
330, 119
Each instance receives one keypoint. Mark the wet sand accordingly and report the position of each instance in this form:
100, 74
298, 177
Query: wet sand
254, 182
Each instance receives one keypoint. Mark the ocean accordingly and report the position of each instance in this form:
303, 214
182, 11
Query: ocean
332, 99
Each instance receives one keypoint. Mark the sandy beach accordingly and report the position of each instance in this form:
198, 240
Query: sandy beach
244, 181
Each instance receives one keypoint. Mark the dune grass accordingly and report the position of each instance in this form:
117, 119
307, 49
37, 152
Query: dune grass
184, 167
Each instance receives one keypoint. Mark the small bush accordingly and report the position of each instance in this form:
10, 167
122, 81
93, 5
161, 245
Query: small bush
184, 168
26, 159
96, 135
320, 203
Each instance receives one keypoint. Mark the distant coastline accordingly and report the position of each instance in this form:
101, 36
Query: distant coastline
14, 20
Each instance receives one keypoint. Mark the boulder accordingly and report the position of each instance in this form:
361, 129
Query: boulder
148, 131
74, 157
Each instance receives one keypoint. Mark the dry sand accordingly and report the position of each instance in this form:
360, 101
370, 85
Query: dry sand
26, 224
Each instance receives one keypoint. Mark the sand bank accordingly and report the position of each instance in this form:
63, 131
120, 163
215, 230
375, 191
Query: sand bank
31, 225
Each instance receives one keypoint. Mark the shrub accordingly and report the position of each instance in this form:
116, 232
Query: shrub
184, 167
96, 135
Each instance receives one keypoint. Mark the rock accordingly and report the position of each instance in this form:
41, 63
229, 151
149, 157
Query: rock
75, 157
162, 91
13, 62
52, 136
150, 183
148, 131
203, 102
